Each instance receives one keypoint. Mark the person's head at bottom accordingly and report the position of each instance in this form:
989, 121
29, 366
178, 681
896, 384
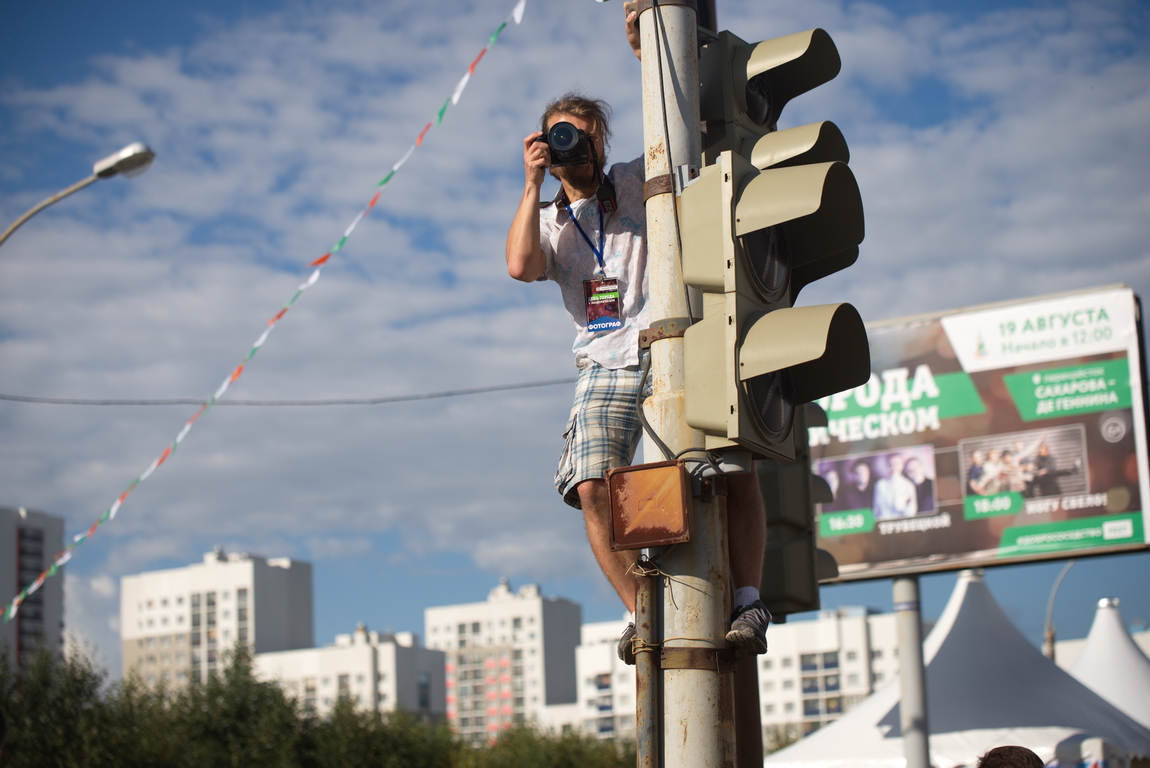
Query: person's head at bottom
1010, 757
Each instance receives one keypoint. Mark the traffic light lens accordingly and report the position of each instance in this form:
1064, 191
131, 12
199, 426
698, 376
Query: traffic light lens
766, 250
758, 97
772, 398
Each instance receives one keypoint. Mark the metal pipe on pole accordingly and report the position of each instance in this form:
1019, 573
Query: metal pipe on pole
648, 744
698, 725
912, 673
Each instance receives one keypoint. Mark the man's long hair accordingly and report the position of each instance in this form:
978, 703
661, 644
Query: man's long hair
595, 111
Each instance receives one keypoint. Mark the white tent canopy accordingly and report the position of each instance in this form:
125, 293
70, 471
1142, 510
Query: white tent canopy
1113, 666
986, 686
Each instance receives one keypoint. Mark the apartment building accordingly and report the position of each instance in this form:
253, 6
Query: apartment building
29, 541
176, 623
605, 706
817, 670
378, 672
505, 658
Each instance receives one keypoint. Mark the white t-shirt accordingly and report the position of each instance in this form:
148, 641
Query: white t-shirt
570, 261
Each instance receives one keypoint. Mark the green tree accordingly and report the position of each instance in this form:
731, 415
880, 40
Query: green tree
56, 716
351, 738
525, 747
233, 719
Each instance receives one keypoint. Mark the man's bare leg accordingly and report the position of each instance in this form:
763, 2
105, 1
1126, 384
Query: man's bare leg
746, 529
597, 517
747, 538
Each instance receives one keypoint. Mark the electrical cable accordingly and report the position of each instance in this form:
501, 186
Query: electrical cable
329, 401
645, 364
660, 41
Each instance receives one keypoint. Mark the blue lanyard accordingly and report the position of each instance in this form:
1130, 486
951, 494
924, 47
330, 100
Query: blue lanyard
602, 232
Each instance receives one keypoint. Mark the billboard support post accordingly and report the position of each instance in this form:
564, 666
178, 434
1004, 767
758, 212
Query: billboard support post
912, 673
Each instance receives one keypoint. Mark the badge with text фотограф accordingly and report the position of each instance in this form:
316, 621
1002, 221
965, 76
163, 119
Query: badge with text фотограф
603, 304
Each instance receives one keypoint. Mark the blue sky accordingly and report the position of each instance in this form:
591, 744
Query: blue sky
1001, 149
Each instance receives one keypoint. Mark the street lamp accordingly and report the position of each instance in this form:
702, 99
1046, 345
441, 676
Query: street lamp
130, 161
1048, 634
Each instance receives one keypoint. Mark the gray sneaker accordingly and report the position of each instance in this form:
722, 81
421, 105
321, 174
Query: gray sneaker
749, 628
626, 649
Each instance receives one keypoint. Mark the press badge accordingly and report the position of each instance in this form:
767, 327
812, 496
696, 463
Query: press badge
604, 306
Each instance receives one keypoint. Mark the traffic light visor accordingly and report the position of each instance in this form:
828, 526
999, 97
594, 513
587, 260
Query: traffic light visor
824, 347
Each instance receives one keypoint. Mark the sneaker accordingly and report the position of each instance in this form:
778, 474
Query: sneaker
626, 649
749, 627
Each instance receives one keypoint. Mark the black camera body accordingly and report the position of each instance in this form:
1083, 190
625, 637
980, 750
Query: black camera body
569, 145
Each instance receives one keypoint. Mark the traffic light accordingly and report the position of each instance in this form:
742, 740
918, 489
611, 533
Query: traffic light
744, 86
792, 565
756, 227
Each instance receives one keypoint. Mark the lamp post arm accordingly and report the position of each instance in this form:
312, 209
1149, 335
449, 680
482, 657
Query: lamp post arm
1048, 634
45, 203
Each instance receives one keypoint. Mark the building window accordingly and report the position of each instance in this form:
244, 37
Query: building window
852, 655
810, 707
831, 660
769, 709
876, 654
344, 683
517, 623
424, 687
475, 627
834, 705
463, 629
852, 679
768, 664
769, 685
831, 683
789, 707
788, 662
808, 662
788, 684
810, 685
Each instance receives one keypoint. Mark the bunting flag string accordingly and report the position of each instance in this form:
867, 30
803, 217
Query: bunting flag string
317, 265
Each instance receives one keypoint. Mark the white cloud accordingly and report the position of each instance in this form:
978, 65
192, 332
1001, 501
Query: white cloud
1025, 177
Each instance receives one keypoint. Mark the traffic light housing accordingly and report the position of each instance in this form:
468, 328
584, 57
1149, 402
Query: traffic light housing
792, 565
744, 86
757, 226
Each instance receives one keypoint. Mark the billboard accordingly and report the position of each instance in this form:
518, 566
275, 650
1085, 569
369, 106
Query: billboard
992, 435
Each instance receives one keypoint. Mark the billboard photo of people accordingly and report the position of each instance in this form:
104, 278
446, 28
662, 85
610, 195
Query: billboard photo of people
889, 485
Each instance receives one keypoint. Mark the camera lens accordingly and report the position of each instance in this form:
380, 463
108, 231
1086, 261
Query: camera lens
563, 137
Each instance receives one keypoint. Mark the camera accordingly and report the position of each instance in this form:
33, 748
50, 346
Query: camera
569, 145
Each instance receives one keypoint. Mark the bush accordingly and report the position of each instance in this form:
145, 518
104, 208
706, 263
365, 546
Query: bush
62, 713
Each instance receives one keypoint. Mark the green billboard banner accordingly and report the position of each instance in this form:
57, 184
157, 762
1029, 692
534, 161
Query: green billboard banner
989, 435
1080, 389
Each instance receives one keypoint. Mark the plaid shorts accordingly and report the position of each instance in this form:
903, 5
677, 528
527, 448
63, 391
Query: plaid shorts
603, 430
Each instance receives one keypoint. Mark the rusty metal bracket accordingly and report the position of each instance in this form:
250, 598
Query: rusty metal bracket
710, 487
721, 660
659, 185
671, 328
646, 5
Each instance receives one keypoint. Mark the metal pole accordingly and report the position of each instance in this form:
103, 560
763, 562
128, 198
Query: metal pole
698, 726
1048, 634
912, 673
45, 203
647, 730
